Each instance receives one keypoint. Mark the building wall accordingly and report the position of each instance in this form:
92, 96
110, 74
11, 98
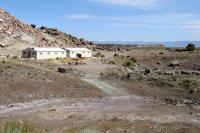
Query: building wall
84, 54
26, 52
51, 55
54, 55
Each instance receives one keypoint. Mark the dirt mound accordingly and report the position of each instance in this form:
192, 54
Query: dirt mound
17, 35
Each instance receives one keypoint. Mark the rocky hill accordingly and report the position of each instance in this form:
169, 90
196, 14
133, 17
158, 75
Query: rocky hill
16, 35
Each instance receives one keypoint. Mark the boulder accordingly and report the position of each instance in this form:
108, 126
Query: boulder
61, 70
174, 63
2, 45
186, 72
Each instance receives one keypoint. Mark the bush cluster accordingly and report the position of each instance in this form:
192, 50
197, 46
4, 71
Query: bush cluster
191, 47
99, 54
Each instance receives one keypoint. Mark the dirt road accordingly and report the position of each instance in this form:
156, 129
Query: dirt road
91, 74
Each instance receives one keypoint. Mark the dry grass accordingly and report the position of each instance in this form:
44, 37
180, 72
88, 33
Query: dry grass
23, 81
120, 126
14, 126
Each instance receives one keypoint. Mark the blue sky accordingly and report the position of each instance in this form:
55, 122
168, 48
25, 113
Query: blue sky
114, 20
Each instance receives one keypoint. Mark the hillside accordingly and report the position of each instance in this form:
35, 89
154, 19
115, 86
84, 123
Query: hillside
16, 35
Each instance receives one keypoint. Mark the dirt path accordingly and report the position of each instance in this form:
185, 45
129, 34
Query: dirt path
110, 90
89, 109
91, 74
22, 108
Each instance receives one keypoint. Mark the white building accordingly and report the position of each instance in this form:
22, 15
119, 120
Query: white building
44, 53
53, 53
78, 52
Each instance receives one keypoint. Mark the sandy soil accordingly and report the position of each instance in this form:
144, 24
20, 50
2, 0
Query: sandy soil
21, 82
96, 102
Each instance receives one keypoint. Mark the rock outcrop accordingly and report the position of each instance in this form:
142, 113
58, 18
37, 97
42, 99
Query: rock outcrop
16, 34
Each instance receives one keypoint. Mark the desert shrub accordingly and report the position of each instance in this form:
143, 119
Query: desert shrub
15, 127
33, 25
89, 130
170, 49
99, 54
91, 43
147, 71
112, 62
82, 40
43, 27
53, 29
115, 73
191, 47
52, 32
179, 50
187, 84
116, 55
130, 64
133, 59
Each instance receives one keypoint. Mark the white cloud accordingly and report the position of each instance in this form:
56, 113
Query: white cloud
144, 4
175, 21
80, 16
162, 26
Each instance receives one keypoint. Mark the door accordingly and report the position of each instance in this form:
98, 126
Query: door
79, 55
29, 54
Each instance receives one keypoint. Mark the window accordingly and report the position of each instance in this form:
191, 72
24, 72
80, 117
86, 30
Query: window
24, 52
49, 52
83, 52
63, 52
72, 52
56, 52
88, 52
40, 53
33, 53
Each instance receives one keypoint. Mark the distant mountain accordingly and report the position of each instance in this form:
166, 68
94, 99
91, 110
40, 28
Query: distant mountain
167, 44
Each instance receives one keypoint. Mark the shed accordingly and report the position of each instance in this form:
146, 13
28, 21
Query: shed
44, 53
78, 52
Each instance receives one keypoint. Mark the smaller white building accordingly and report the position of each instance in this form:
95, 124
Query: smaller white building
44, 53
78, 52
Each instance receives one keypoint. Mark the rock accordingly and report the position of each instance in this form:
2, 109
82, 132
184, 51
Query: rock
15, 32
169, 73
180, 105
186, 72
2, 45
76, 63
174, 63
61, 70
188, 102
171, 101
52, 110
158, 63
